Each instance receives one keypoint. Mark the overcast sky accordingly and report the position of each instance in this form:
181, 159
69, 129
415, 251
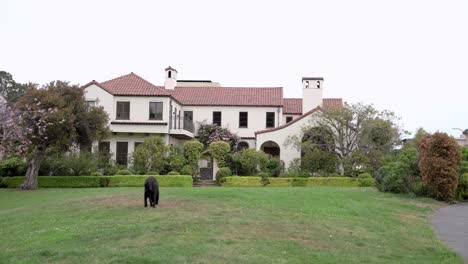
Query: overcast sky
409, 56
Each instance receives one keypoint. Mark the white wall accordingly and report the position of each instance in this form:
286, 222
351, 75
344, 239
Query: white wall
101, 97
131, 139
312, 95
288, 152
230, 117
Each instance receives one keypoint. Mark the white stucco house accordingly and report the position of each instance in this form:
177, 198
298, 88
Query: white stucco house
260, 116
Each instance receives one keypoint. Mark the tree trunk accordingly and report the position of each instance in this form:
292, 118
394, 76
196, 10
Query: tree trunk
30, 183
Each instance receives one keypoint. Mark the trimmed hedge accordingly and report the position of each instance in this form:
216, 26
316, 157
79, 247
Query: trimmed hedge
100, 181
248, 181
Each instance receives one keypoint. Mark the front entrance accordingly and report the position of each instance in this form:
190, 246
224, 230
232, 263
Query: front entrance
206, 167
271, 148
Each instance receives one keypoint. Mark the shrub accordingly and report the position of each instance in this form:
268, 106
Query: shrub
392, 178
71, 164
250, 160
265, 178
462, 189
123, 172
219, 150
223, 172
186, 170
96, 173
176, 159
294, 169
316, 161
192, 152
364, 175
439, 161
208, 133
173, 173
249, 181
150, 173
12, 166
150, 155
275, 167
100, 181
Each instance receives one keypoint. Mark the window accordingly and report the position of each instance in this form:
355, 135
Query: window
289, 119
155, 110
169, 73
270, 119
122, 153
242, 145
123, 110
243, 119
90, 104
104, 147
217, 118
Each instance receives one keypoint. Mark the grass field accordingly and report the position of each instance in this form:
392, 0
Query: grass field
218, 225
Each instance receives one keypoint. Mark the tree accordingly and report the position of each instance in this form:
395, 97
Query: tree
11, 90
208, 133
150, 155
192, 152
250, 160
317, 151
439, 161
359, 131
12, 137
56, 116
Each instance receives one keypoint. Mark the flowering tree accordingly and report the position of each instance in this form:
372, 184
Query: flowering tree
12, 136
209, 133
56, 115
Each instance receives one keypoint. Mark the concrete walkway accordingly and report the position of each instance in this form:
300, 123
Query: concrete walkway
451, 224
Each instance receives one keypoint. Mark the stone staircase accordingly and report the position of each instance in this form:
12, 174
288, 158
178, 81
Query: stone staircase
205, 183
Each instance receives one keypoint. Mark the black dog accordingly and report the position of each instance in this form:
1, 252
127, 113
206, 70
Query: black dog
151, 191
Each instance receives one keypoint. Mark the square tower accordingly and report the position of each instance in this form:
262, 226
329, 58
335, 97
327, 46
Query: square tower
312, 93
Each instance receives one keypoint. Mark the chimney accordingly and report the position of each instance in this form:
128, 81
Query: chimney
171, 78
312, 93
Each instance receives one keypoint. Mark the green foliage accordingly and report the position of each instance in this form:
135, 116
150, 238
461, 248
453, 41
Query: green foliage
9, 89
251, 181
173, 173
439, 163
219, 150
12, 166
223, 172
72, 164
364, 175
265, 178
123, 172
96, 173
186, 170
395, 177
462, 189
192, 152
208, 133
275, 167
316, 161
176, 159
151, 173
294, 169
100, 181
250, 159
150, 155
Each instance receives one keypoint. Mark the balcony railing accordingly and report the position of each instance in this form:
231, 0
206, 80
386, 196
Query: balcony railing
178, 122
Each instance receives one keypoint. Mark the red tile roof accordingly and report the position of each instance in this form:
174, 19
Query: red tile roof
229, 96
131, 85
293, 106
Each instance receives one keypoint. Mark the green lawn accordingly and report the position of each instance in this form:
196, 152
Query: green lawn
218, 225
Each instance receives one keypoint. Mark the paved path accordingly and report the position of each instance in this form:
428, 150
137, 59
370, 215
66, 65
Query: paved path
451, 224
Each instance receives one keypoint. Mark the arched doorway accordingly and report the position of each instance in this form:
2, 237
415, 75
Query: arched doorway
271, 148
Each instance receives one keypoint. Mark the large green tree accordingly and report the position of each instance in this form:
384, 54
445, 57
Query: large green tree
57, 116
150, 155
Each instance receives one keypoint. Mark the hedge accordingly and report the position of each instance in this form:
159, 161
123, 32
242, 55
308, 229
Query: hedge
248, 181
100, 181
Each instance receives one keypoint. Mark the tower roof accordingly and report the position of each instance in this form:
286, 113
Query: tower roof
170, 69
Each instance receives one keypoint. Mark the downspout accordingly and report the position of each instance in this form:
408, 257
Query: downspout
170, 123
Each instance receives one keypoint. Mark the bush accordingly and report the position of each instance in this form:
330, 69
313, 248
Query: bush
100, 181
96, 173
439, 161
12, 166
249, 181
219, 150
150, 155
176, 159
462, 189
250, 160
173, 173
123, 172
192, 152
71, 164
275, 167
364, 175
265, 178
149, 173
208, 133
393, 178
186, 170
223, 172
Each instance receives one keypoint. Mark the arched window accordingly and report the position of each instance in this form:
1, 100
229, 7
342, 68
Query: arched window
242, 145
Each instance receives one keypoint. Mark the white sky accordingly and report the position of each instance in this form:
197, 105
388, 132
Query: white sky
409, 56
